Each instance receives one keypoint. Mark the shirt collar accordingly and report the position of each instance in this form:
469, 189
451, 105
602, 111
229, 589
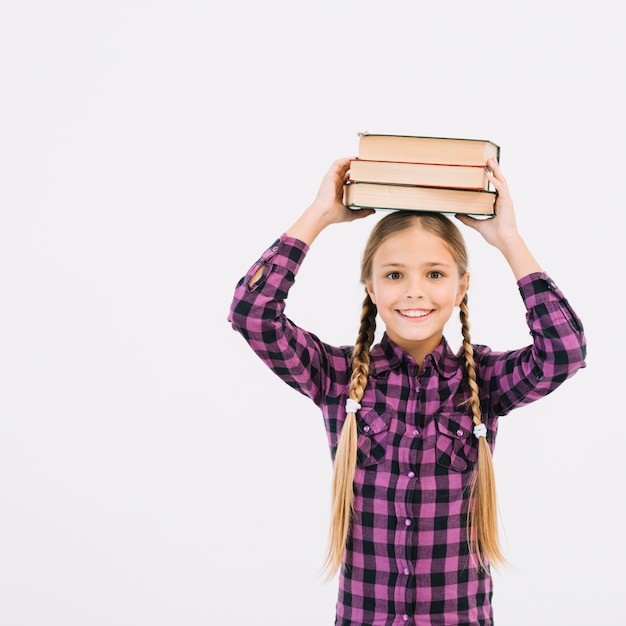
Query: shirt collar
390, 356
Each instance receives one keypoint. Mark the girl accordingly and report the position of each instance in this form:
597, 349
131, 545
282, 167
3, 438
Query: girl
411, 425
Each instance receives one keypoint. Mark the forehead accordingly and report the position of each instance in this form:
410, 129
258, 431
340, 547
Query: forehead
413, 245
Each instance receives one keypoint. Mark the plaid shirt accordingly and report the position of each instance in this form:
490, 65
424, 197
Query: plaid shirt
407, 560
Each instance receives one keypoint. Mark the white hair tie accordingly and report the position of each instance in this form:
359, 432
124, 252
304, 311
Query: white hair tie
352, 406
480, 430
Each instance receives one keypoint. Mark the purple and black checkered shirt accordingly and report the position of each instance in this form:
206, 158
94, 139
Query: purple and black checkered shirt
407, 560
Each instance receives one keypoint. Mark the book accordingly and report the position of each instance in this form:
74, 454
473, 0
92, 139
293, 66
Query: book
458, 176
418, 149
419, 198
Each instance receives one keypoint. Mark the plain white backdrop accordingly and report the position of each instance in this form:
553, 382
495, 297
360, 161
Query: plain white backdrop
152, 471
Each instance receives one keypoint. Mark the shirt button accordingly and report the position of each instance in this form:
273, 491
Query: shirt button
366, 429
411, 474
275, 249
405, 617
406, 571
459, 432
415, 433
407, 522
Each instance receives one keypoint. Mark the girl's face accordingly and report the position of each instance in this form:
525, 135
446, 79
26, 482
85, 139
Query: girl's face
415, 284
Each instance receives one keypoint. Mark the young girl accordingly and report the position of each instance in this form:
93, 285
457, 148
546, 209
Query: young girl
411, 425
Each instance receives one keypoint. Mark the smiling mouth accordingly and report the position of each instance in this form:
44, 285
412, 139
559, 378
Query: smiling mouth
415, 314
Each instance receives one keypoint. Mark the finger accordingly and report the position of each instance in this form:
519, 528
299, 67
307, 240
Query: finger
496, 170
358, 214
338, 168
345, 170
494, 164
468, 220
346, 175
498, 181
342, 164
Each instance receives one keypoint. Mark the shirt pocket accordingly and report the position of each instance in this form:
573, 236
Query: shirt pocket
455, 447
373, 435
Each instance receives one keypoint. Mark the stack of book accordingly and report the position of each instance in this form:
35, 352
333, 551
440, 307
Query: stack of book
445, 175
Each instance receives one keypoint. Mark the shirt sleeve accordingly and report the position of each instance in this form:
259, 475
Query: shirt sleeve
257, 312
557, 352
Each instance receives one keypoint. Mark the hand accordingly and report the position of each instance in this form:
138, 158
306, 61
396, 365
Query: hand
503, 227
328, 202
501, 231
327, 207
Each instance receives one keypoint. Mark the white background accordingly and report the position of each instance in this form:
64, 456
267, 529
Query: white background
152, 471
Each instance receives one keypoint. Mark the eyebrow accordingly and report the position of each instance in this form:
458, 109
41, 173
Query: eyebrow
428, 264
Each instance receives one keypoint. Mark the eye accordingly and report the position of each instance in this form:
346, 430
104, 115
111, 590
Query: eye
394, 275
435, 274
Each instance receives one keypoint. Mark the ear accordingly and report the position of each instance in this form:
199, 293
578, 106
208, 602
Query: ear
370, 291
463, 287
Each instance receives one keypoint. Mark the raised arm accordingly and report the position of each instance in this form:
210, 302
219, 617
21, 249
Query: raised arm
257, 311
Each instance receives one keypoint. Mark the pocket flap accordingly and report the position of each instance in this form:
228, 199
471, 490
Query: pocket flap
455, 426
370, 422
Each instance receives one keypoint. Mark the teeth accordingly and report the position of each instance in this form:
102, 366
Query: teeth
415, 313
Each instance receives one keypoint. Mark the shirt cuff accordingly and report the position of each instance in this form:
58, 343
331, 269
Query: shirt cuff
537, 288
286, 252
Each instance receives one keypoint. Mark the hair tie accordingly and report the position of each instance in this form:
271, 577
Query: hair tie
480, 430
352, 406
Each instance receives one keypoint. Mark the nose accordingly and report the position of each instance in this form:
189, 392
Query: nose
415, 289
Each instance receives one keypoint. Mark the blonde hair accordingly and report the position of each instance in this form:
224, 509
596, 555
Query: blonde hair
482, 523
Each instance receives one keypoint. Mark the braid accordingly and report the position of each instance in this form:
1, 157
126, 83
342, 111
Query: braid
361, 353
483, 515
346, 455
